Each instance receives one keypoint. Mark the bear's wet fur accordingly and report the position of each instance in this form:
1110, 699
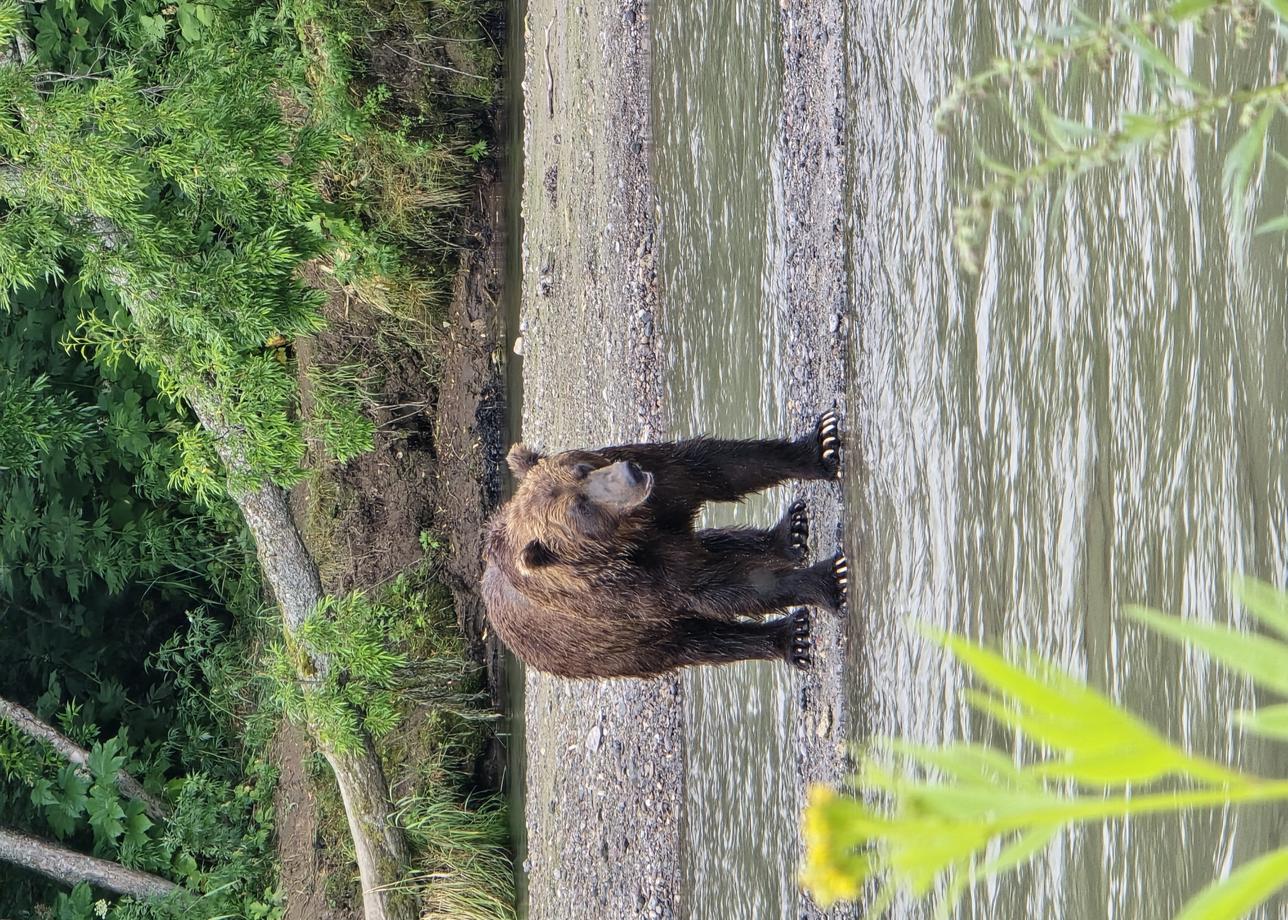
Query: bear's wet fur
594, 568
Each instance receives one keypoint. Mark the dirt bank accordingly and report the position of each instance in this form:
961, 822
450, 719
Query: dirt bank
605, 772
430, 482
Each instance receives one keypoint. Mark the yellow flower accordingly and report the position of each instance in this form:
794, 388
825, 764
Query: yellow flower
832, 871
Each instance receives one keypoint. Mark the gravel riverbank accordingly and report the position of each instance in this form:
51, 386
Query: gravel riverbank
605, 775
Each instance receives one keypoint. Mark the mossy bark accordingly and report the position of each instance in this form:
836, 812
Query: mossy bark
292, 576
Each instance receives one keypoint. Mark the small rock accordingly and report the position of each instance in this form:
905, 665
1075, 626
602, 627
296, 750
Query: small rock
593, 738
824, 726
518, 345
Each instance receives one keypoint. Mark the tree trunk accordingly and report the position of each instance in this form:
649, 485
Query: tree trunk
292, 575
71, 868
27, 723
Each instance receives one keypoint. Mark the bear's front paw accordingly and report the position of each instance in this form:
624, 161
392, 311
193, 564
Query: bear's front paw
841, 573
828, 434
799, 642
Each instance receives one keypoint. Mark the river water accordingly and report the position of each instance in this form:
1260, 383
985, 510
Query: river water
1098, 418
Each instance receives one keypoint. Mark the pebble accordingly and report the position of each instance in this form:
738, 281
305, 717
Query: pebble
824, 725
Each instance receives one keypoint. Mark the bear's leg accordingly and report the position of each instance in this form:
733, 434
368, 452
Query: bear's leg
689, 473
788, 540
742, 586
697, 640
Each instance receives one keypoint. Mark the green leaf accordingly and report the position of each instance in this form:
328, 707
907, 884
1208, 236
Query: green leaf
965, 763
105, 813
71, 789
185, 865
1265, 602
1246, 888
1271, 721
1258, 657
189, 25
1240, 163
77, 905
1188, 9
1278, 225
153, 27
42, 792
1278, 7
1153, 57
104, 761
1062, 131
136, 823
1093, 739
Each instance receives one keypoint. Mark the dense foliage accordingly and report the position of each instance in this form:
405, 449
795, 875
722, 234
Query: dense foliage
181, 740
95, 541
169, 175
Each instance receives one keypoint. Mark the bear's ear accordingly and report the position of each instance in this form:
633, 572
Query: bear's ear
536, 554
522, 458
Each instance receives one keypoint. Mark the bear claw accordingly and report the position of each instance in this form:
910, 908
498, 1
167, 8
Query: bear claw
829, 442
798, 529
841, 571
801, 644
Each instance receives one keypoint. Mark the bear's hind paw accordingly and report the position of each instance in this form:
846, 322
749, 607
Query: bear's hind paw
800, 649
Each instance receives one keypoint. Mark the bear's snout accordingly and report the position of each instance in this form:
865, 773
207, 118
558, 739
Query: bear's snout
622, 485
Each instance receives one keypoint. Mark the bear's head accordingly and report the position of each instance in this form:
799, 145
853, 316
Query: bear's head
573, 505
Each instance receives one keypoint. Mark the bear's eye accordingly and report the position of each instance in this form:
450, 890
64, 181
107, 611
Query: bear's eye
581, 470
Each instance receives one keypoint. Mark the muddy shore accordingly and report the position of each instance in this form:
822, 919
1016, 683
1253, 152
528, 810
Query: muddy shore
605, 761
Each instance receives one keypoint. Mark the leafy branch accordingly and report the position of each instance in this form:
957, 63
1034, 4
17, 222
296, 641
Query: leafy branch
99, 761
1069, 148
927, 819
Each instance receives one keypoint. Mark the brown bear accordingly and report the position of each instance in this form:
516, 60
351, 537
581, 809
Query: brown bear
594, 568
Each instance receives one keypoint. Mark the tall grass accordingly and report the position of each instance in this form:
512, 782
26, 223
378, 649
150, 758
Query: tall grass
409, 86
464, 870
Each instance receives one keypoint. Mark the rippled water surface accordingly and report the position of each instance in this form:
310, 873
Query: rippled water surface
715, 178
1098, 418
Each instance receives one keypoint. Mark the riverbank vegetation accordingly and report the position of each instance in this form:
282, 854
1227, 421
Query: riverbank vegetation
189, 194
